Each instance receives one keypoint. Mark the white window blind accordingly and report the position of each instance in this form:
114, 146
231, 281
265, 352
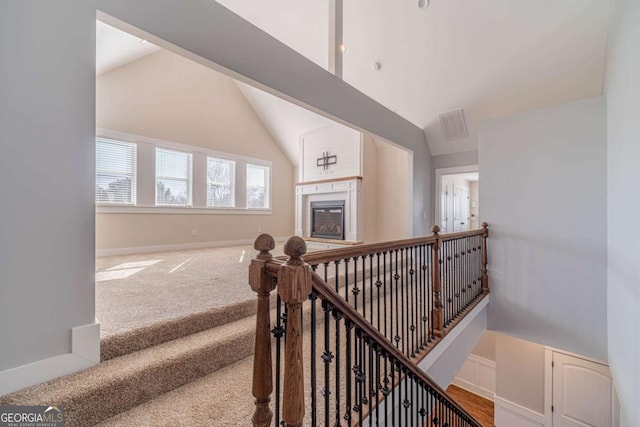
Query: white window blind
257, 186
220, 182
173, 177
115, 172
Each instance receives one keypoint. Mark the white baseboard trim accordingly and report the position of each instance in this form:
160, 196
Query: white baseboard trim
477, 375
85, 344
509, 414
448, 339
176, 247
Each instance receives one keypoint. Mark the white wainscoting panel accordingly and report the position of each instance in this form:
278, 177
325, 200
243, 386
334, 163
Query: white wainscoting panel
509, 414
477, 375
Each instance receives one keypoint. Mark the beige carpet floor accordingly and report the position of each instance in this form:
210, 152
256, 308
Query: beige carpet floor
135, 291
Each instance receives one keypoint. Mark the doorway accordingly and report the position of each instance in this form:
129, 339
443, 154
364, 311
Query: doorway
579, 392
457, 201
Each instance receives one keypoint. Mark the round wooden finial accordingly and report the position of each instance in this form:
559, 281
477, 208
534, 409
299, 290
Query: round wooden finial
485, 225
435, 229
295, 247
264, 243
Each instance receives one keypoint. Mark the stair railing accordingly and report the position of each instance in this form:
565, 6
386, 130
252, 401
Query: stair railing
377, 309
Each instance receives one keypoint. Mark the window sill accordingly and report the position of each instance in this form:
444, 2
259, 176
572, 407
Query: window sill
110, 209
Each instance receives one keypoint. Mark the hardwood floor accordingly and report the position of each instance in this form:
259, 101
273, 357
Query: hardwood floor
479, 407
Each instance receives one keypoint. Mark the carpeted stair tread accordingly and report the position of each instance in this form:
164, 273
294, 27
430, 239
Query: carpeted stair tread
119, 384
222, 398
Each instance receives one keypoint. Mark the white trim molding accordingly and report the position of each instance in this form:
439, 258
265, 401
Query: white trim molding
477, 375
510, 414
177, 247
85, 345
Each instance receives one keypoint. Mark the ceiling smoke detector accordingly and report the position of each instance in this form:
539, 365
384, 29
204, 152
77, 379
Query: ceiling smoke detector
453, 124
423, 4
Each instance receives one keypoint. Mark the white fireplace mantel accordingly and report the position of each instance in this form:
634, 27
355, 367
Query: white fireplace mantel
347, 189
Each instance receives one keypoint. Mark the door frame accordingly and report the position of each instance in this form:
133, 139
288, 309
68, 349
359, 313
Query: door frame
548, 384
438, 185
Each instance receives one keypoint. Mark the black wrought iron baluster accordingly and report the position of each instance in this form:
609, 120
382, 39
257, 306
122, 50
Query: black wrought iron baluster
326, 272
346, 284
406, 403
348, 371
337, 279
358, 370
384, 293
364, 289
430, 290
458, 289
337, 316
412, 303
395, 309
327, 357
370, 288
278, 332
314, 380
393, 390
378, 286
445, 280
385, 388
378, 387
403, 306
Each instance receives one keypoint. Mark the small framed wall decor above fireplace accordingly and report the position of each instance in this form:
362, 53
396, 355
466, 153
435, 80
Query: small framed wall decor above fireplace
327, 219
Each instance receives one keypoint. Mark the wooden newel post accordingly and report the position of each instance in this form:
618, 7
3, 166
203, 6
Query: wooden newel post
437, 315
263, 285
294, 287
485, 277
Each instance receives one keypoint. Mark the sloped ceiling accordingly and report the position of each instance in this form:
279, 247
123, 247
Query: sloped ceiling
284, 120
490, 57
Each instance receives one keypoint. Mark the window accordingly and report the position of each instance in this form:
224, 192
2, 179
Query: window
257, 186
173, 178
115, 172
220, 180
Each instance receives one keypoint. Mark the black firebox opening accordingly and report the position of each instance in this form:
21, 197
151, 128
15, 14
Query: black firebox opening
327, 219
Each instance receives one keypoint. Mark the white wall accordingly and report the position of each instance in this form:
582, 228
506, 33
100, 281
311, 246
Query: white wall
168, 97
218, 38
543, 193
623, 161
520, 372
47, 117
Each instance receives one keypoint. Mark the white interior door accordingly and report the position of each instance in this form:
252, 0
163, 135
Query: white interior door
583, 393
444, 208
461, 217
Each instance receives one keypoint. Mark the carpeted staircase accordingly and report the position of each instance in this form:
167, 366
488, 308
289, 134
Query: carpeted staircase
192, 371
141, 367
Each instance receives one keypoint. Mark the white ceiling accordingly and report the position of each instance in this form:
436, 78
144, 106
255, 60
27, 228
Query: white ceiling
115, 48
490, 57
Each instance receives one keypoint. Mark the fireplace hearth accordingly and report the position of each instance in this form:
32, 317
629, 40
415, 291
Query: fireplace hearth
327, 219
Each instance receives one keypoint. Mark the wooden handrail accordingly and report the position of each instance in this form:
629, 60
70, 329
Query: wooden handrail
329, 255
295, 280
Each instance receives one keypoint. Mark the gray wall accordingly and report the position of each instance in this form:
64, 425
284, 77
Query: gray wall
463, 158
47, 117
444, 369
520, 372
544, 195
218, 38
623, 155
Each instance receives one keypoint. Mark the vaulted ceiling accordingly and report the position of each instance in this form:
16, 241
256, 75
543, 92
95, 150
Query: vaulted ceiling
489, 57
